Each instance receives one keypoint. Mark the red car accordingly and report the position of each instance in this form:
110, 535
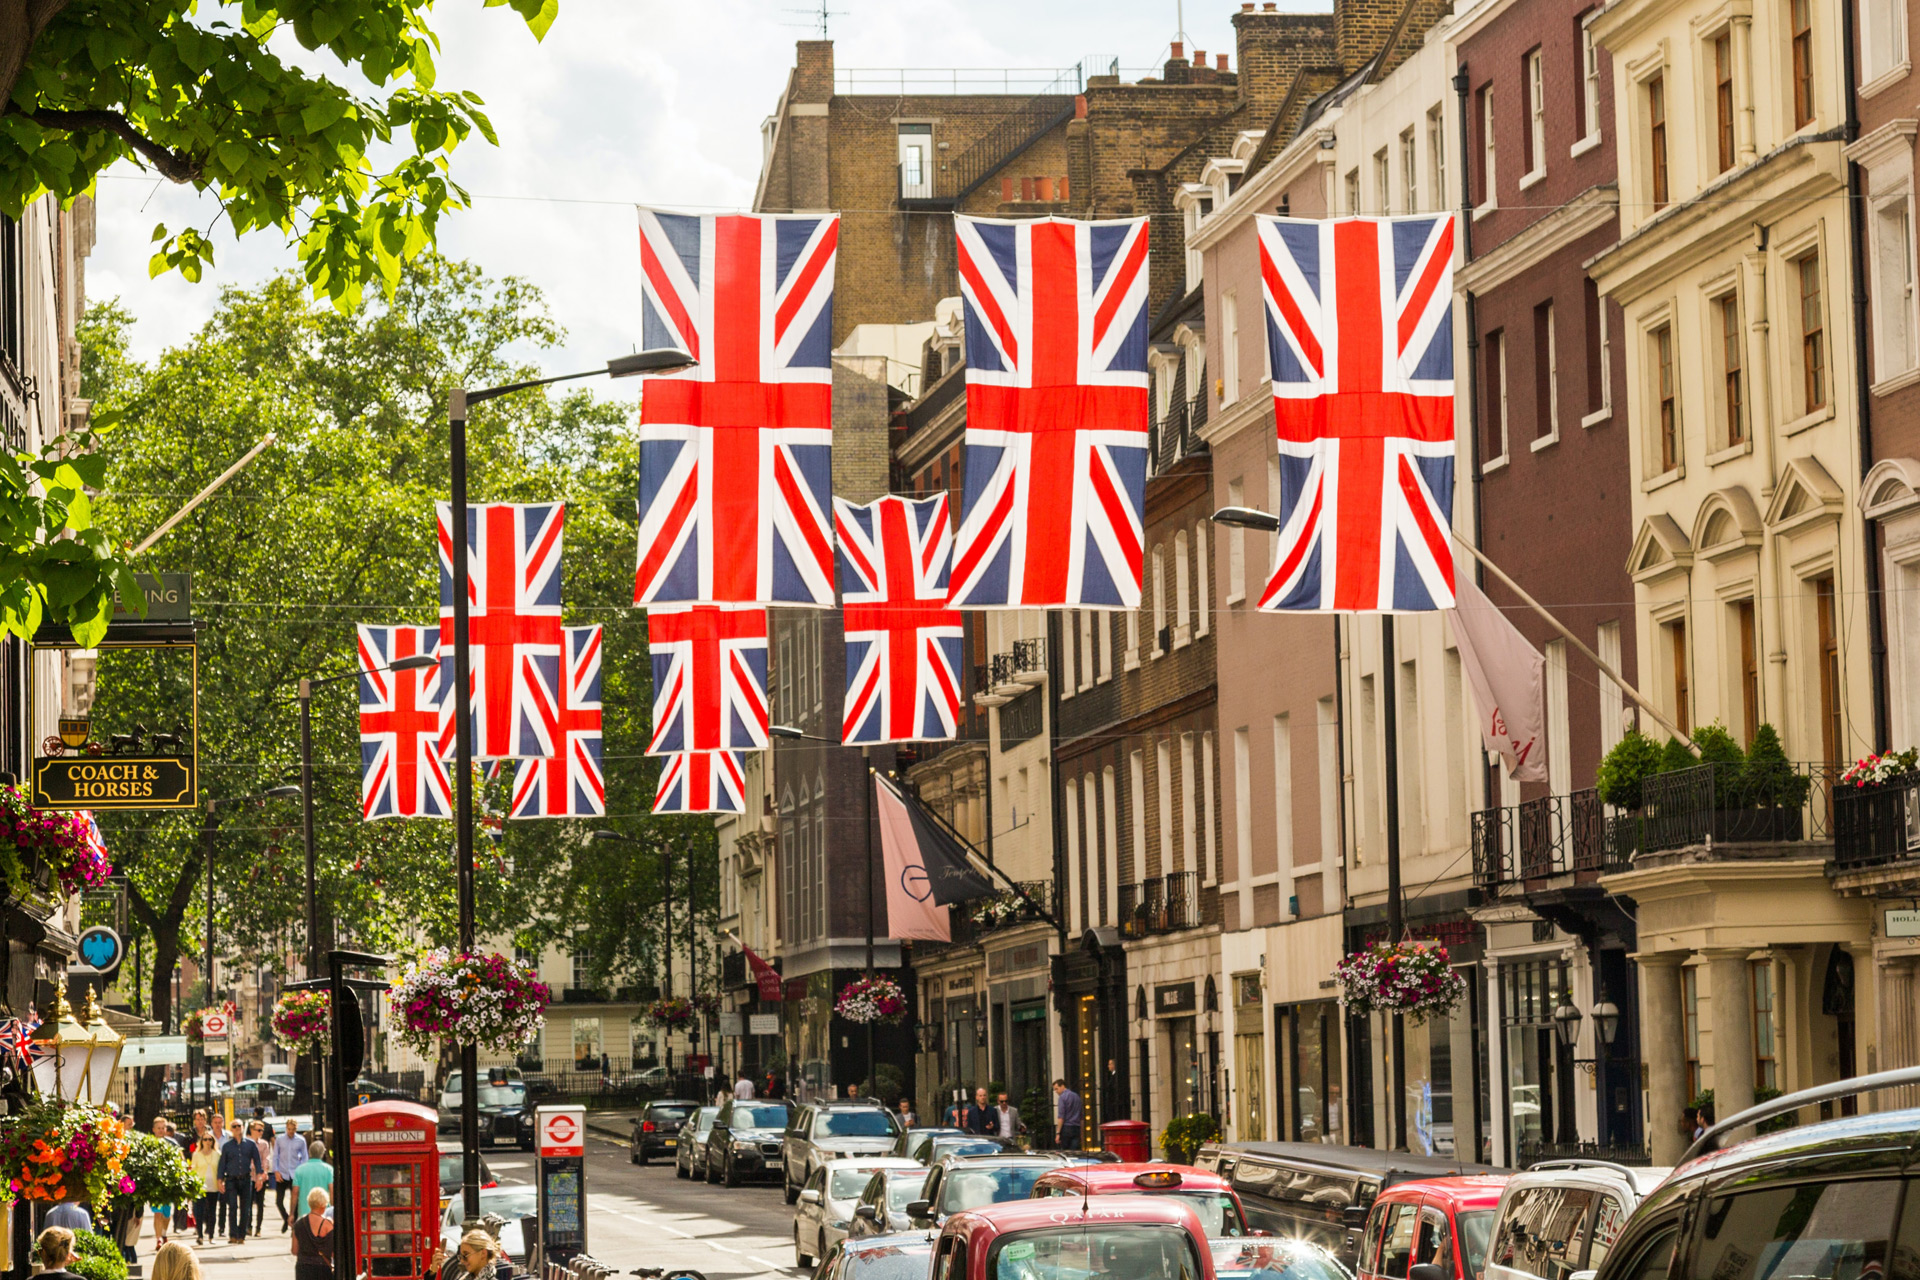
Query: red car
1207, 1194
1436, 1229
1104, 1236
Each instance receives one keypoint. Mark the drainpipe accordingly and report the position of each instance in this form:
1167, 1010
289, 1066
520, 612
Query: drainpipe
1460, 86
1863, 390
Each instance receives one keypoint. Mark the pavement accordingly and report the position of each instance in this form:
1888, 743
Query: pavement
614, 1124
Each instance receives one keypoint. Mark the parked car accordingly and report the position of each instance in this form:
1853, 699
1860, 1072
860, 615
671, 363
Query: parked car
1554, 1214
912, 1143
1320, 1191
883, 1205
746, 1142
261, 1092
974, 1182
367, 1089
505, 1110
450, 1175
962, 1145
1274, 1259
511, 1203
1439, 1223
894, 1258
656, 1130
1117, 1238
823, 1131
1207, 1194
690, 1157
825, 1211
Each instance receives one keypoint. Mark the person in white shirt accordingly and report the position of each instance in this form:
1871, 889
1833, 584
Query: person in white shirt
743, 1088
1008, 1118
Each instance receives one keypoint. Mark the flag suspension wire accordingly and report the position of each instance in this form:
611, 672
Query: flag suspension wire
246, 460
966, 847
1605, 668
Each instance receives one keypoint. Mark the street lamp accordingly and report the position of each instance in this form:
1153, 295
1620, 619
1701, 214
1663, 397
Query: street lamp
1606, 1023
1247, 518
459, 399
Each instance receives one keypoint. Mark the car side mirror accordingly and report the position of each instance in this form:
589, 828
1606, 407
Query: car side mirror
920, 1210
809, 1196
1430, 1271
866, 1212
1354, 1215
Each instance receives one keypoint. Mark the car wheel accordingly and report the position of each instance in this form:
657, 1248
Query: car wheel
787, 1189
713, 1175
800, 1258
680, 1170
633, 1156
641, 1157
731, 1175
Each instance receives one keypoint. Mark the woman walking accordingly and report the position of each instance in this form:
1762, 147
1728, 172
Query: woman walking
206, 1163
313, 1240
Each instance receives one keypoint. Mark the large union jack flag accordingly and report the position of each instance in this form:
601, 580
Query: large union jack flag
401, 775
736, 459
513, 614
569, 781
1360, 346
709, 677
702, 782
1056, 463
903, 641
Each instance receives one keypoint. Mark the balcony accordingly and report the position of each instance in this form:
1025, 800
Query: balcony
1729, 804
1160, 904
1877, 826
1006, 910
1551, 836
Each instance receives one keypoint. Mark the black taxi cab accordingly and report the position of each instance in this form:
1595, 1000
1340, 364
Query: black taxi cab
1113, 1237
1829, 1200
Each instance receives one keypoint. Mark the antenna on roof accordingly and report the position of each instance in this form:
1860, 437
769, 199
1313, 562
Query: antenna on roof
816, 18
1180, 18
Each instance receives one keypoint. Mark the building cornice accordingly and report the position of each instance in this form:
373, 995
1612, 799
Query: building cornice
1253, 407
1581, 216
1261, 192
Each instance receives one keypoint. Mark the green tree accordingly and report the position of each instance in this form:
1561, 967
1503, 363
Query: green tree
181, 90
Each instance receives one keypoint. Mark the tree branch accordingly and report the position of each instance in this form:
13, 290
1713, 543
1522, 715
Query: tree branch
173, 165
21, 22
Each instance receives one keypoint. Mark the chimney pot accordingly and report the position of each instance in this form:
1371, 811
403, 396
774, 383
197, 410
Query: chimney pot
1179, 50
1269, 7
1247, 7
1220, 62
1199, 57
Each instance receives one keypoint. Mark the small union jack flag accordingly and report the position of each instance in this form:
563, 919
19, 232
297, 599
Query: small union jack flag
903, 641
1056, 463
569, 782
736, 457
709, 678
702, 782
401, 773
1360, 346
513, 613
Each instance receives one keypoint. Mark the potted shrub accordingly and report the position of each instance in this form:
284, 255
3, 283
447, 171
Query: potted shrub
1183, 1137
1770, 785
1633, 759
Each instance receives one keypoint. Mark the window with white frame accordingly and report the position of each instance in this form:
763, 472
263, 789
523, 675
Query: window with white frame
1137, 806
1599, 355
1809, 276
1283, 792
1236, 545
1409, 173
1242, 809
1085, 643
1496, 381
1103, 638
1437, 154
1382, 181
1202, 592
1536, 112
1159, 601
1589, 104
1728, 352
1070, 656
1327, 725
1353, 191
1559, 740
1197, 206
1894, 327
1546, 375
1883, 39
1132, 659
1487, 149
1182, 591
1664, 384
1229, 347
1612, 701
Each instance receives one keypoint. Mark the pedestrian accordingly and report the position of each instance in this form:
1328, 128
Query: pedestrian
55, 1247
176, 1262
257, 1132
1112, 1102
239, 1162
289, 1153
979, 1117
312, 1248
1067, 1115
314, 1174
1007, 1117
68, 1214
206, 1163
473, 1260
853, 1090
908, 1120
743, 1088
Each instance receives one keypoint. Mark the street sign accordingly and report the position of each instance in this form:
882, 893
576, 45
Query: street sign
562, 1131
560, 1137
732, 1024
113, 782
101, 948
1903, 922
214, 1026
763, 1024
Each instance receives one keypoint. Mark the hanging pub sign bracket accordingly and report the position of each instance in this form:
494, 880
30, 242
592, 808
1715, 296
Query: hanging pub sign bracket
145, 768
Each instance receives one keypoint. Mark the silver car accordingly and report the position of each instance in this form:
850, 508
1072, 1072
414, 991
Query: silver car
827, 1199
690, 1157
883, 1205
824, 1131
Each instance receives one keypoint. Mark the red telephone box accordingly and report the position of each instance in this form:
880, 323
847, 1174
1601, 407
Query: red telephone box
396, 1186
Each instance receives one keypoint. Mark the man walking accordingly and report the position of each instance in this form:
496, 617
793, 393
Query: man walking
259, 1135
289, 1153
239, 1162
313, 1172
743, 1088
1067, 1115
979, 1117
1007, 1118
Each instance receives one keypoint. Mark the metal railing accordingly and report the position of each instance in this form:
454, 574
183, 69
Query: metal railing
1735, 803
1875, 825
960, 80
1551, 836
1161, 904
1181, 896
1542, 838
1532, 1153
1492, 839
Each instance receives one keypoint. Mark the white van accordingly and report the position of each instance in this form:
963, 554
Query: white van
1560, 1219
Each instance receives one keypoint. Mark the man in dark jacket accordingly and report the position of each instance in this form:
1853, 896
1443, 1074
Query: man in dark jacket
981, 1118
239, 1161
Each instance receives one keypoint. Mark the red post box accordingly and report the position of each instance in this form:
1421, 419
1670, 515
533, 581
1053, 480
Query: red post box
396, 1187
1128, 1139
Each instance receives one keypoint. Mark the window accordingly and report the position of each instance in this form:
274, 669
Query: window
1800, 15
1486, 146
1070, 657
916, 169
1723, 97
1202, 584
1283, 793
1893, 319
1437, 155
1546, 375
1497, 396
1608, 1222
1726, 310
1353, 191
1690, 1025
1747, 631
1236, 545
1764, 1072
1382, 181
1409, 173
1229, 347
1089, 619
1657, 139
1832, 735
1587, 89
1883, 47
1677, 661
1103, 638
1668, 407
1599, 352
1182, 590
1534, 154
582, 972
1813, 351
1559, 731
1612, 701
1159, 602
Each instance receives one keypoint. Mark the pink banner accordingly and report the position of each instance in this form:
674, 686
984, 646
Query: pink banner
911, 911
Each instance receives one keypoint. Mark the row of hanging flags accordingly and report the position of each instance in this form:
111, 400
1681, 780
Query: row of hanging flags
736, 510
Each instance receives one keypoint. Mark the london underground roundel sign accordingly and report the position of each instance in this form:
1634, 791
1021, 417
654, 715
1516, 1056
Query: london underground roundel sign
562, 1131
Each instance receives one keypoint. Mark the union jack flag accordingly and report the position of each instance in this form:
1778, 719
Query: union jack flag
1056, 463
569, 781
709, 678
702, 782
1360, 344
16, 1037
903, 641
513, 614
736, 457
401, 774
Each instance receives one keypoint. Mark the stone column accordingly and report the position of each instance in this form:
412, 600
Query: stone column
1896, 1003
1732, 995
1664, 1053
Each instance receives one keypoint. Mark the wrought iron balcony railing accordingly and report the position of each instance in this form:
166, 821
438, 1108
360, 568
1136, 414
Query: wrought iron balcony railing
1877, 825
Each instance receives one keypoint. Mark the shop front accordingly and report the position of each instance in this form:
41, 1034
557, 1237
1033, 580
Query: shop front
1309, 1072
1090, 1003
1017, 1021
1179, 1029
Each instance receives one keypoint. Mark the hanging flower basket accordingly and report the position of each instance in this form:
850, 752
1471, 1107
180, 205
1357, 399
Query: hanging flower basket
871, 1000
63, 1151
671, 1012
303, 1021
1872, 771
1006, 908
48, 838
484, 1000
154, 1171
1411, 978
707, 1003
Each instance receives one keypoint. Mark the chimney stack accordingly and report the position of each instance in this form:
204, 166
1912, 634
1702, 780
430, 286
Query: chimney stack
1220, 62
1179, 51
1200, 58
1246, 6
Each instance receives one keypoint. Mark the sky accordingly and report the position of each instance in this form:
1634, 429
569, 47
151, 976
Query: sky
627, 102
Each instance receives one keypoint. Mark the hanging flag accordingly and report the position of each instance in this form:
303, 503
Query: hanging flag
937, 852
702, 782
401, 773
1056, 462
513, 613
1509, 682
569, 782
903, 642
709, 678
1360, 350
765, 976
736, 459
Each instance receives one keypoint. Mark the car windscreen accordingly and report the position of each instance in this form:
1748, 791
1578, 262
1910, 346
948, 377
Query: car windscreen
847, 1184
965, 1188
1476, 1229
658, 1112
904, 1187
889, 1262
703, 1119
1219, 1216
1807, 1231
1266, 1260
865, 1123
1122, 1251
759, 1117
511, 1203
501, 1095
942, 1148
